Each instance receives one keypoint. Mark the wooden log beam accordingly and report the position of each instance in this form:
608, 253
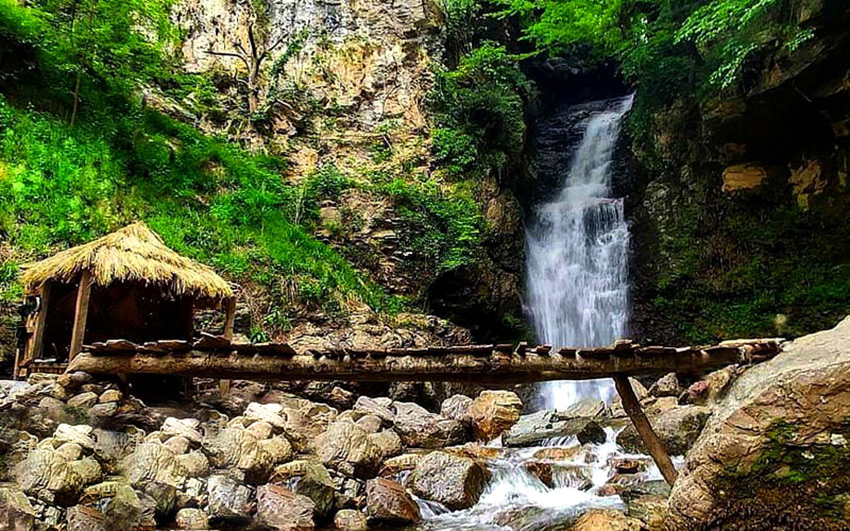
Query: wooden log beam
653, 444
496, 368
81, 313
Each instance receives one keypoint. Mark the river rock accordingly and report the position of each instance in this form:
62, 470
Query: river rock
188, 428
492, 413
191, 519
667, 385
373, 406
48, 475
370, 423
647, 501
111, 447
153, 462
606, 520
455, 407
388, 442
776, 448
347, 447
350, 520
83, 400
80, 518
229, 502
124, 507
677, 428
394, 466
388, 502
535, 429
306, 422
110, 395
311, 479
421, 429
281, 509
270, 413
16, 511
456, 482
80, 435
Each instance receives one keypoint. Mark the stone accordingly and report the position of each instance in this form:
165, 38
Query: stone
261, 429
80, 435
456, 482
373, 407
419, 428
87, 469
113, 446
240, 448
775, 419
305, 423
370, 423
16, 511
606, 520
667, 385
191, 519
100, 413
80, 518
83, 400
153, 462
229, 502
647, 501
124, 507
178, 445
678, 428
281, 509
743, 177
347, 447
309, 479
74, 380
394, 466
188, 428
269, 413
455, 407
350, 520
388, 442
492, 413
537, 428
70, 450
557, 453
110, 395
49, 476
387, 502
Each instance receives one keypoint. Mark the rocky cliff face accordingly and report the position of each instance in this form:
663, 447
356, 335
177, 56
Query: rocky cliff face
740, 222
349, 98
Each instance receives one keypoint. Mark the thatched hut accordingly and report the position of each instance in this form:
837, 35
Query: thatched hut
126, 285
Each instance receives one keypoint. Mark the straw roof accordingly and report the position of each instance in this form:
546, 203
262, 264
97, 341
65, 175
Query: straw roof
134, 254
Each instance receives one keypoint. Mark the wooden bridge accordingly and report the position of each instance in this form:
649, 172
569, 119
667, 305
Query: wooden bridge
218, 357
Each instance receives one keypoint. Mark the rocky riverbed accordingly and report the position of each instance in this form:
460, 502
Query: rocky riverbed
80, 454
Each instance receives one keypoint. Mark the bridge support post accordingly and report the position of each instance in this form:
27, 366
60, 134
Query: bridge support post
653, 444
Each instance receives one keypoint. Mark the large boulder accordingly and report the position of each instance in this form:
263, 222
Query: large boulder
456, 482
677, 427
455, 407
579, 421
776, 448
154, 462
48, 475
376, 406
242, 448
281, 509
420, 428
346, 447
492, 413
387, 502
16, 511
606, 520
311, 479
229, 502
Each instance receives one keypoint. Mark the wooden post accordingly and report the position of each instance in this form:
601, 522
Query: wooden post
229, 319
35, 343
80, 314
644, 428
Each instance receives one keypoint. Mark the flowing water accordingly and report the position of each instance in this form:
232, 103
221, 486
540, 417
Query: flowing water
577, 268
577, 283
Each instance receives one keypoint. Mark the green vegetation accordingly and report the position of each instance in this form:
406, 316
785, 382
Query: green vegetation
81, 155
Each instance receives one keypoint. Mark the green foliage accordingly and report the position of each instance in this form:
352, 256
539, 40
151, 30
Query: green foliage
478, 112
445, 229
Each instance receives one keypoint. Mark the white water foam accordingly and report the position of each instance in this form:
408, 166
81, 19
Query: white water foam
577, 264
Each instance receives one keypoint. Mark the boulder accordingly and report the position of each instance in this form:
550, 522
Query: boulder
678, 428
647, 501
350, 520
667, 385
124, 507
388, 442
113, 446
370, 423
394, 466
372, 406
48, 475
269, 413
229, 502
80, 435
347, 448
153, 462
492, 413
281, 509
537, 428
388, 503
87, 469
83, 400
606, 520
743, 177
455, 407
240, 448
16, 511
456, 482
421, 429
775, 450
110, 395
188, 428
306, 422
310, 479
80, 518
191, 519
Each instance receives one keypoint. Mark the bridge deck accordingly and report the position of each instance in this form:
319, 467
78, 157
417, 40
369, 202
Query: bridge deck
216, 357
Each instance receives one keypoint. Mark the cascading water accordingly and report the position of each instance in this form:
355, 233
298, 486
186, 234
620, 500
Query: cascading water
577, 296
577, 276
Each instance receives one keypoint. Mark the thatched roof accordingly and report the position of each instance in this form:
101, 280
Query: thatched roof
132, 254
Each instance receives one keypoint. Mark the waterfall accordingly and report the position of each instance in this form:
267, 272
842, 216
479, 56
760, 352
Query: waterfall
577, 268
